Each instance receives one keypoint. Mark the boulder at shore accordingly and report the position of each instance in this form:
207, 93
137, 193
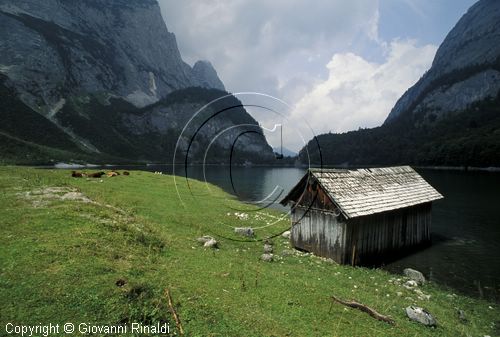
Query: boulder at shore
414, 275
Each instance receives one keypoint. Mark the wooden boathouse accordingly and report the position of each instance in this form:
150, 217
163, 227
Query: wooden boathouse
360, 216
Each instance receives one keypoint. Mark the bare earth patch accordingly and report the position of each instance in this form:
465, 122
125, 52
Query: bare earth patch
44, 196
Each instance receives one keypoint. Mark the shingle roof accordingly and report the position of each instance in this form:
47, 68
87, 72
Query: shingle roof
368, 191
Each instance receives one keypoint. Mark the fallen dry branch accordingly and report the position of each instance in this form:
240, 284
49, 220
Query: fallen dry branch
174, 313
364, 308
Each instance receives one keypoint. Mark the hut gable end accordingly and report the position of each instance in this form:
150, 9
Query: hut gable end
310, 194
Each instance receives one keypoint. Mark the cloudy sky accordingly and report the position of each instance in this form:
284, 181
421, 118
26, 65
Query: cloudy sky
339, 64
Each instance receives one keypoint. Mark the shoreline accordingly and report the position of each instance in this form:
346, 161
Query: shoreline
460, 168
61, 165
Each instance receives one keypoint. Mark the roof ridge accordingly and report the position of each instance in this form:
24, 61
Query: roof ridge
360, 169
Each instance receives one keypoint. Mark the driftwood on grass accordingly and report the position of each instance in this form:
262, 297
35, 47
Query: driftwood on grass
174, 313
364, 308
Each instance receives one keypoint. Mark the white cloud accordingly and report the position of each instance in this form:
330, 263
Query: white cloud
276, 47
358, 93
284, 48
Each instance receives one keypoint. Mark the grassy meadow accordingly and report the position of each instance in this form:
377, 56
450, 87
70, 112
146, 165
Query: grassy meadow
105, 250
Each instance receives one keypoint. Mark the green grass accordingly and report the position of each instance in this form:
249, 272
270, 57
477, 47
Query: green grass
60, 261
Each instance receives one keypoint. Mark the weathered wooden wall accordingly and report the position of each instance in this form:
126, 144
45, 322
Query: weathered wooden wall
373, 237
318, 232
363, 239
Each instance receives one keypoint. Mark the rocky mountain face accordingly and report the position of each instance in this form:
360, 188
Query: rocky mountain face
450, 117
465, 70
52, 49
206, 75
104, 73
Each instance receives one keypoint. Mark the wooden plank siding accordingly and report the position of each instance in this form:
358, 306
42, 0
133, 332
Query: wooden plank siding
318, 232
371, 238
366, 239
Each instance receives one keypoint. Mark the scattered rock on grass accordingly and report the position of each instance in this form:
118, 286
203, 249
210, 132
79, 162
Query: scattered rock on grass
267, 257
414, 275
268, 248
287, 252
208, 241
410, 284
420, 315
286, 235
211, 244
241, 216
244, 231
421, 295
461, 316
204, 239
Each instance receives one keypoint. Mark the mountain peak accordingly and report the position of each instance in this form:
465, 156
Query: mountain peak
119, 48
205, 73
478, 29
465, 70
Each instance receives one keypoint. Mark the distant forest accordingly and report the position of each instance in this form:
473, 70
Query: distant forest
467, 138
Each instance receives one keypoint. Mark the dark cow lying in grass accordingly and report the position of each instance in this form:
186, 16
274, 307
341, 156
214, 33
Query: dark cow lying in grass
95, 175
75, 174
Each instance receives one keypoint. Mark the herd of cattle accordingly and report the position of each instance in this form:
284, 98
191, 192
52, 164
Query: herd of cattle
110, 174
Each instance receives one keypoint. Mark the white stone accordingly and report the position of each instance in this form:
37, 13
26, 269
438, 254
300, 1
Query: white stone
286, 235
267, 257
210, 244
244, 231
420, 315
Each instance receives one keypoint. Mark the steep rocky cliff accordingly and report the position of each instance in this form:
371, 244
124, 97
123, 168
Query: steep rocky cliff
207, 76
52, 49
450, 117
93, 70
465, 70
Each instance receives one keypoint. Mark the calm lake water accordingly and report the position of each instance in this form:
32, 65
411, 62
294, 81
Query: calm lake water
465, 250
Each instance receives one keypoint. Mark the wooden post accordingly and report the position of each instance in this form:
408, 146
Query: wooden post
353, 255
